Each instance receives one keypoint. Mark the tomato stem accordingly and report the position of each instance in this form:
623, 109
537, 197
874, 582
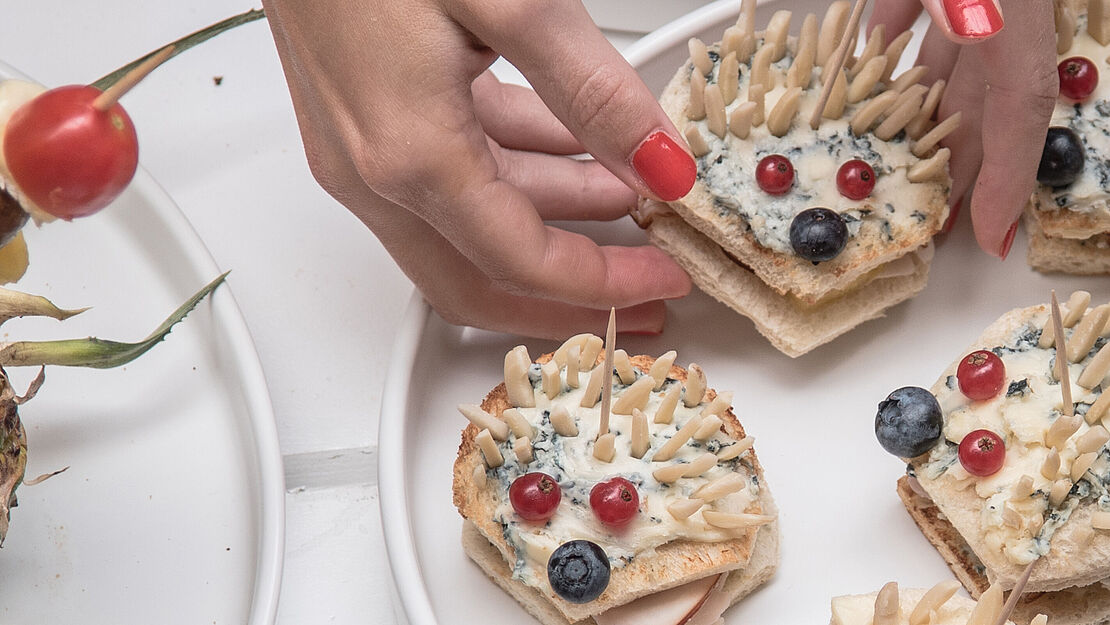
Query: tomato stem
112, 94
105, 82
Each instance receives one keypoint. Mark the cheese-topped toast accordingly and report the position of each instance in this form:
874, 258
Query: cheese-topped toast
703, 506
872, 174
939, 605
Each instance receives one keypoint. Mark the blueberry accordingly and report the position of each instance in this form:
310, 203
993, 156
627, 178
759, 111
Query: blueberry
909, 422
1062, 159
578, 571
818, 234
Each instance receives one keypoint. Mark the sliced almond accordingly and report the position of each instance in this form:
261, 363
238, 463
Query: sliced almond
832, 30
740, 120
1010, 517
1065, 28
775, 34
682, 508
908, 78
699, 55
1086, 333
1081, 464
710, 425
700, 465
932, 600
485, 421
719, 405
873, 49
668, 450
574, 356
489, 449
782, 115
726, 520
1097, 412
893, 53
605, 448
925, 144
931, 168
887, 607
522, 448
518, 424
800, 73
721, 487
550, 381
757, 95
1023, 489
1098, 20
898, 118
715, 118
1095, 370
838, 98
731, 41
731, 451
1050, 468
1061, 430
517, 385
661, 368
1092, 440
761, 73
866, 78
695, 108
641, 438
635, 396
592, 394
665, 412
590, 351
695, 386
728, 77
563, 422
578, 340
988, 608
623, 364
697, 143
866, 115
923, 121
1059, 492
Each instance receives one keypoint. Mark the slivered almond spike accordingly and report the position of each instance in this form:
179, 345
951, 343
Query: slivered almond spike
1050, 468
887, 606
872, 50
1065, 28
592, 393
866, 78
988, 607
782, 115
697, 143
746, 48
623, 364
710, 425
725, 520
695, 110
911, 76
869, 113
715, 117
915, 93
607, 366
605, 448
924, 119
682, 508
665, 412
661, 368
518, 424
1097, 369
668, 450
807, 47
1092, 440
931, 168
1062, 373
746, 20
635, 396
1077, 305
740, 120
731, 40
641, 439
1081, 464
756, 93
563, 422
1086, 333
735, 449
522, 448
550, 381
1097, 412
1023, 489
800, 73
700, 465
1061, 430
832, 29
898, 118
932, 600
719, 405
590, 352
1098, 20
728, 77
721, 487
893, 53
775, 35
1010, 517
485, 421
517, 385
1003, 614
838, 97
761, 68
573, 358
699, 55
925, 144
489, 449
1059, 492
578, 340
695, 386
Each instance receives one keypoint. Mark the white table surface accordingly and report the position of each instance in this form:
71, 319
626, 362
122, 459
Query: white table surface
320, 295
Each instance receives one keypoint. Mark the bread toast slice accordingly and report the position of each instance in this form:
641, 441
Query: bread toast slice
672, 563
1054, 254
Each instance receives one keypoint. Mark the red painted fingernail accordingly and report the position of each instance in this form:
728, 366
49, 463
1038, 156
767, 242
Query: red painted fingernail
667, 169
953, 213
973, 18
1008, 241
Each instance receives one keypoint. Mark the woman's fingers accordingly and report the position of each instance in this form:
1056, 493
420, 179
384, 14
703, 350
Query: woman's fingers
968, 21
938, 54
897, 15
515, 117
565, 189
589, 87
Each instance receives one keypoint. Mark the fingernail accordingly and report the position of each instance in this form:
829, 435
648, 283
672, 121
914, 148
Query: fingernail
667, 169
1008, 241
953, 213
973, 18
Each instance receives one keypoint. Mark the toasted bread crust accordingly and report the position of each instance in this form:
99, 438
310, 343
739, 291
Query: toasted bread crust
1054, 254
672, 564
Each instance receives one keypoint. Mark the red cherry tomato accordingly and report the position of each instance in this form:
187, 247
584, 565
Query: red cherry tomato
615, 502
68, 157
774, 174
981, 375
1078, 77
855, 179
982, 453
535, 496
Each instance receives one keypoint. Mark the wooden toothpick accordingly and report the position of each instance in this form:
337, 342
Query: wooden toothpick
607, 377
112, 94
1015, 594
1062, 373
836, 62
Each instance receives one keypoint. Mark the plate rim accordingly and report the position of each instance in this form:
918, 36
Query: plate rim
270, 542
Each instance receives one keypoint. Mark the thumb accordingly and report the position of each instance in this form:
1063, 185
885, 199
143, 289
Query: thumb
589, 86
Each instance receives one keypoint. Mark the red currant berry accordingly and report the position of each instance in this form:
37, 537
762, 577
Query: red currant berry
535, 496
855, 179
981, 375
1078, 77
982, 453
615, 502
775, 174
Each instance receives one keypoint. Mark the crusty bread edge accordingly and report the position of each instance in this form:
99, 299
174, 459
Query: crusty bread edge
1049, 254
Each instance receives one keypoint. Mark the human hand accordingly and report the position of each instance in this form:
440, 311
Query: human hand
455, 173
1005, 83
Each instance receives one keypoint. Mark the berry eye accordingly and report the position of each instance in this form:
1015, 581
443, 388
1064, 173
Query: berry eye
1078, 77
775, 174
818, 234
1062, 159
855, 179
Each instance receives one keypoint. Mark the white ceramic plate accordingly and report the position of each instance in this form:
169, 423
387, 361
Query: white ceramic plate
172, 509
844, 529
